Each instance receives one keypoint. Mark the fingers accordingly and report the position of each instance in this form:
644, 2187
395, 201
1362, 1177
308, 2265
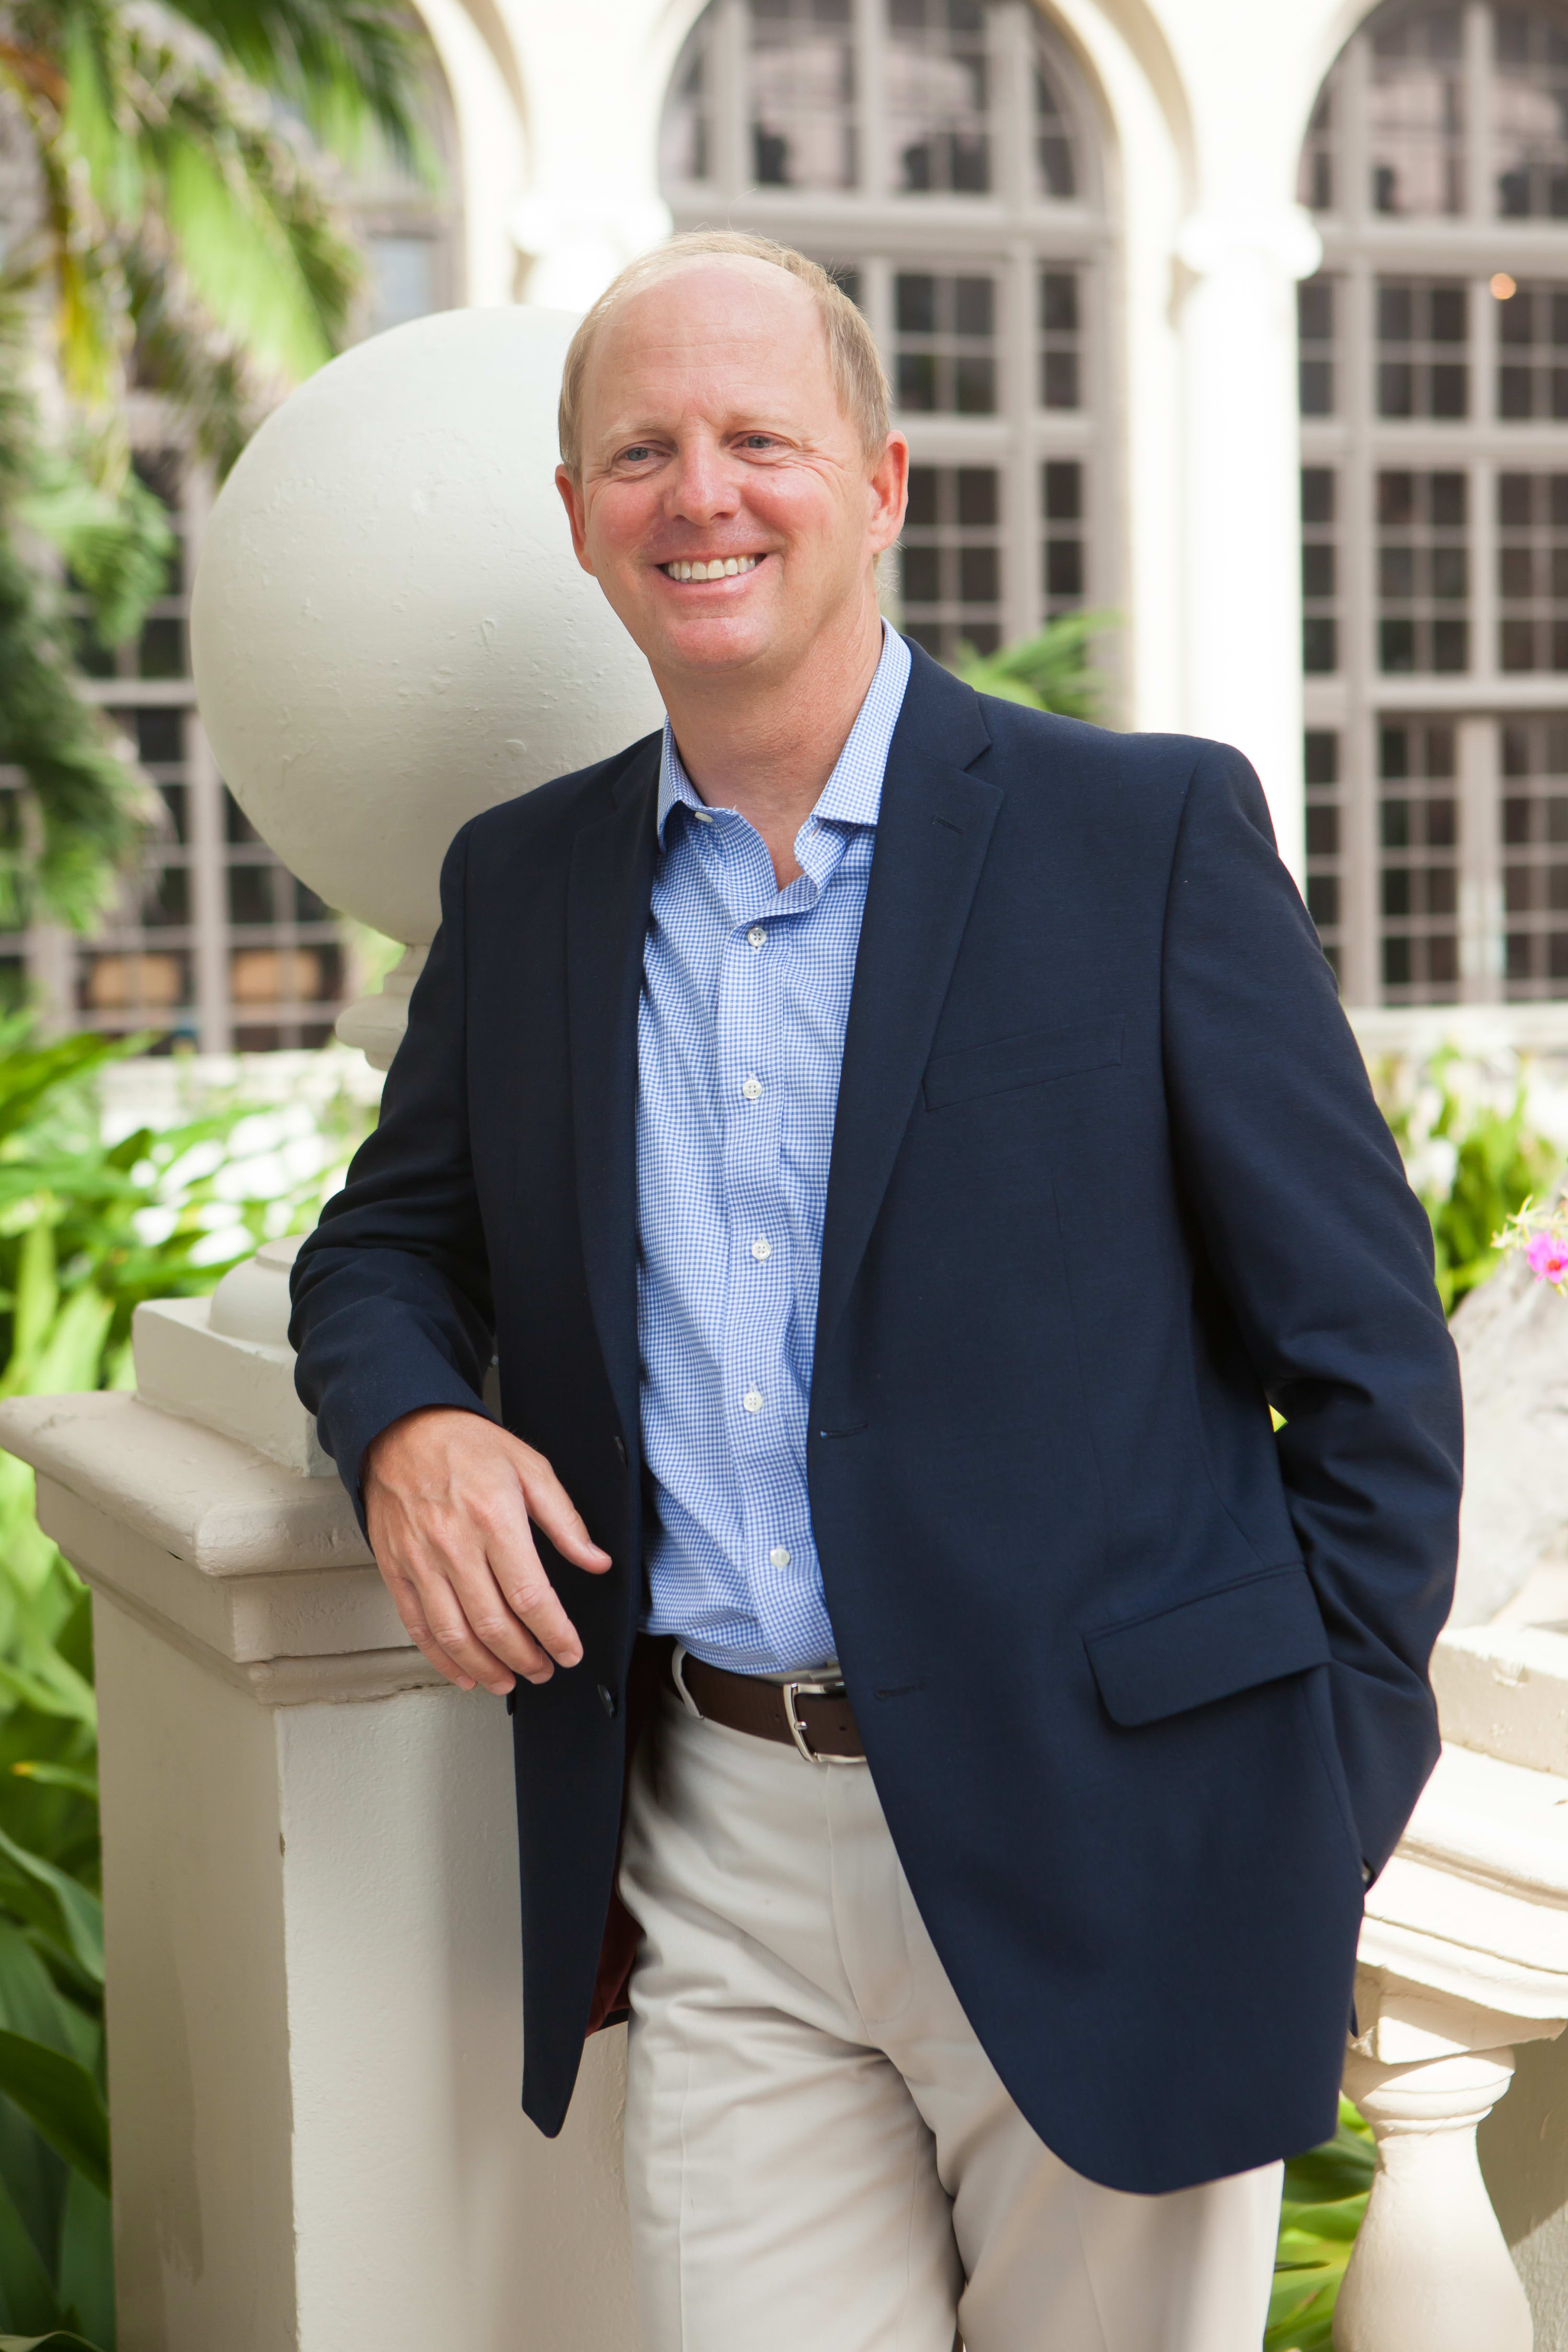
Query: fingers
406, 1603
448, 1500
551, 1508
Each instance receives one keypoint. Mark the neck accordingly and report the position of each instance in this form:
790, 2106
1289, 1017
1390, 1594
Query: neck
766, 745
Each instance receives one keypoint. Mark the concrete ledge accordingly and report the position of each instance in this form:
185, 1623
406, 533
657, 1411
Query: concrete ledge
1503, 1690
241, 1388
206, 1498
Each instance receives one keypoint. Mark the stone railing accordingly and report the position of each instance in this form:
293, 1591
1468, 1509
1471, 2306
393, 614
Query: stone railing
313, 1958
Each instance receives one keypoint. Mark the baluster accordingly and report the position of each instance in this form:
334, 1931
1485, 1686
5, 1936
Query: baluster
1430, 2272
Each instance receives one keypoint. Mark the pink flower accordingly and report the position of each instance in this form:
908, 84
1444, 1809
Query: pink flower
1548, 1258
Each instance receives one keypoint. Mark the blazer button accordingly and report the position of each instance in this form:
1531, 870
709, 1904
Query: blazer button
608, 1700
620, 1446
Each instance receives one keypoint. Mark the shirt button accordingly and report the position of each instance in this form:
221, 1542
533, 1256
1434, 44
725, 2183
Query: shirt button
779, 1556
756, 937
761, 1250
752, 1400
751, 1088
703, 816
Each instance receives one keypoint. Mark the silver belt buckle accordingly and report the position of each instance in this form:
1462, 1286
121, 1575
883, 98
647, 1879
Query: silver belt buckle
792, 1691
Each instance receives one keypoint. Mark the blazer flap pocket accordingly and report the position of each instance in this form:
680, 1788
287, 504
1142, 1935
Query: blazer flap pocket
1021, 1061
1209, 1648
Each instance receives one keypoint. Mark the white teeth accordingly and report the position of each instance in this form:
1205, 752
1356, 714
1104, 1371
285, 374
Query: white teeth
721, 568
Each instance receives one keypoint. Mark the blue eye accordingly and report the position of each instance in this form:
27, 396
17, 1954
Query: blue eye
636, 453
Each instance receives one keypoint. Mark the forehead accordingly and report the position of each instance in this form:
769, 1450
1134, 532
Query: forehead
712, 332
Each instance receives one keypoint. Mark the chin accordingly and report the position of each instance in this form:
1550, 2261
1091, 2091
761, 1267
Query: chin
719, 645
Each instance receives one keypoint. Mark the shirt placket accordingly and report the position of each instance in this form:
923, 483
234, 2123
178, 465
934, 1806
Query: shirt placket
759, 1288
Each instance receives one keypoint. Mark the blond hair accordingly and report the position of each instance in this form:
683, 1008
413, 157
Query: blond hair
856, 364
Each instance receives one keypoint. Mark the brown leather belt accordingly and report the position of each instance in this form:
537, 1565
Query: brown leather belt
811, 1713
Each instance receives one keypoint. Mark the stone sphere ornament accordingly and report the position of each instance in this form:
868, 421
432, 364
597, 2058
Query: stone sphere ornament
389, 631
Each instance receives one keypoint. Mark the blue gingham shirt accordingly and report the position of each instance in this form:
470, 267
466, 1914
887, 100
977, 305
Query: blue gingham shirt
745, 994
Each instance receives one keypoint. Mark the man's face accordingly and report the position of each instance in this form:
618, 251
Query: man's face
713, 434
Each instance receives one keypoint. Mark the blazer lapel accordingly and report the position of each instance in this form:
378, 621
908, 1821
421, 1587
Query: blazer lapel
608, 891
932, 831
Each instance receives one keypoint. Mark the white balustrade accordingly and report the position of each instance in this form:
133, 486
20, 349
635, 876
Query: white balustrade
310, 1899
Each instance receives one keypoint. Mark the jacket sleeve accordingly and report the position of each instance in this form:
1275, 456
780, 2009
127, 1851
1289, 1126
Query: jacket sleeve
391, 1291
1325, 1257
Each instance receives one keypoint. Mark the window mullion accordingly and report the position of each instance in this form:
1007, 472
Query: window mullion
1358, 544
1481, 864
872, 72
1022, 537
731, 129
1352, 205
1478, 202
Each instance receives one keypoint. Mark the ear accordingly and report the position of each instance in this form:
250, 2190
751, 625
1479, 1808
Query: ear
889, 490
576, 515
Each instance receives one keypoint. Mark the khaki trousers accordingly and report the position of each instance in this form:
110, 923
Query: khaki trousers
820, 2158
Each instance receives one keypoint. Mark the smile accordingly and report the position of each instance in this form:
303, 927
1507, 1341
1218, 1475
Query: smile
723, 567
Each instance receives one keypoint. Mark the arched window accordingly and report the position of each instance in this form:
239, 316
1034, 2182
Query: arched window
1434, 379
941, 156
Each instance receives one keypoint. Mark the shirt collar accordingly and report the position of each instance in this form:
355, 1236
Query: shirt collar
852, 792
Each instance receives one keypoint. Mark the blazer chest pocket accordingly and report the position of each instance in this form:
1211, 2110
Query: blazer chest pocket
1027, 1061
1213, 1647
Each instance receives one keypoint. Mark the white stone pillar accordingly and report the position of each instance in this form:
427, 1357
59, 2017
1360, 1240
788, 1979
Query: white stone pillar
1464, 1959
1430, 2272
310, 1900
1242, 521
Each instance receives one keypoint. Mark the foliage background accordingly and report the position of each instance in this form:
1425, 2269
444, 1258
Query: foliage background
88, 1230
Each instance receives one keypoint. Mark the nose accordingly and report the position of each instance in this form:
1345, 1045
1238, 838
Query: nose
702, 486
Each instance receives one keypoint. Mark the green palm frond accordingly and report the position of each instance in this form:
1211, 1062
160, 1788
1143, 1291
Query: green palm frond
345, 65
1049, 671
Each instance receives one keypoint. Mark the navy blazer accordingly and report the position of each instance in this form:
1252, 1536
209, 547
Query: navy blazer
1142, 1682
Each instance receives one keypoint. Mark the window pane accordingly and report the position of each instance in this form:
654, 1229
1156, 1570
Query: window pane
1418, 865
801, 84
938, 97
945, 356
1533, 571
1320, 572
1061, 340
1416, 113
686, 132
1422, 333
1532, 830
952, 559
1530, 114
1062, 552
1423, 571
1056, 174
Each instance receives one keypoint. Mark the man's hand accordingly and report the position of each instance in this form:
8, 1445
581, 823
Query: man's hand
449, 1497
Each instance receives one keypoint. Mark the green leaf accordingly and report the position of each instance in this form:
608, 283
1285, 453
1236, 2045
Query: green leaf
27, 2297
31, 2002
79, 1914
57, 2340
57, 1775
86, 2260
60, 2099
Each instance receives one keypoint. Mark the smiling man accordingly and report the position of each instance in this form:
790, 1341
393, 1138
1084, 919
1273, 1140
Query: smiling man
899, 1146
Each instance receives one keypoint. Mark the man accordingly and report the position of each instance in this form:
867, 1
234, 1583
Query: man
899, 1146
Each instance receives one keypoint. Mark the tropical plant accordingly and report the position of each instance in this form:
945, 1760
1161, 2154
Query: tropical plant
183, 241
1473, 1163
1049, 671
1324, 2202
88, 1230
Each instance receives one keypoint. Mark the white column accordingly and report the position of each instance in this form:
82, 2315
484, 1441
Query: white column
310, 1900
1242, 523
1430, 2272
1464, 1958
